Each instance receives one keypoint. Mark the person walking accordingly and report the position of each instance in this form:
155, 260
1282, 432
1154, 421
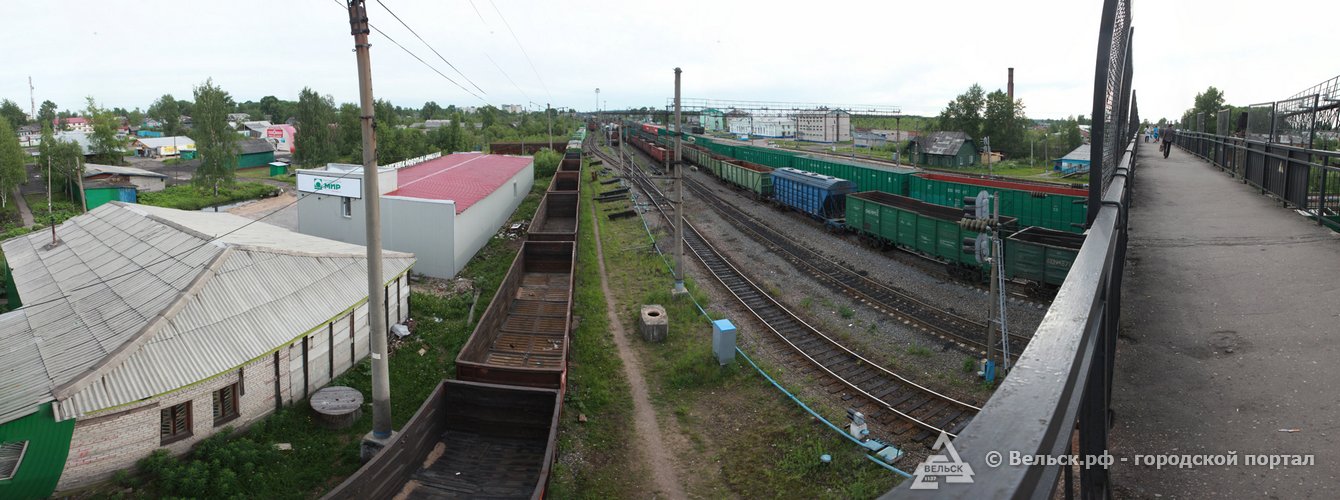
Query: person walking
1168, 135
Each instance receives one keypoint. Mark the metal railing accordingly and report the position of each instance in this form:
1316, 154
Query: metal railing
1060, 389
1301, 178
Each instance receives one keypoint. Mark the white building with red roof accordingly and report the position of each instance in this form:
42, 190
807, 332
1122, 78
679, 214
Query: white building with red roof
443, 208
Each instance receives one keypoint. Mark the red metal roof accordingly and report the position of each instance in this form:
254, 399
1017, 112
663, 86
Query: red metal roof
464, 178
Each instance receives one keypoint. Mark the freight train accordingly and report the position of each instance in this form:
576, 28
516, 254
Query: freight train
896, 206
492, 431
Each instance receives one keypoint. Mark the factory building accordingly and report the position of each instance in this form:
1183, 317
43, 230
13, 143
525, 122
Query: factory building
146, 328
833, 125
442, 208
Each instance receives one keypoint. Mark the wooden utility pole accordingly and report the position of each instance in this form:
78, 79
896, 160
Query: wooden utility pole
679, 198
381, 383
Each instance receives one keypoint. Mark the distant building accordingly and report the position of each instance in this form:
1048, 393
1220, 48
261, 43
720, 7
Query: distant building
712, 120
253, 129
431, 124
238, 117
81, 138
73, 124
164, 147
142, 180
254, 153
149, 328
1074, 161
946, 149
869, 139
443, 208
283, 137
755, 125
513, 108
29, 135
832, 125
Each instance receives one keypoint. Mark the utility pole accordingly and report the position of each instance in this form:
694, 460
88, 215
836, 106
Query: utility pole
381, 383
989, 172
550, 117
995, 261
679, 199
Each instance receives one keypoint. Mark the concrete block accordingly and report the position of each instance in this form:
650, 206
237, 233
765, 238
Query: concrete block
653, 323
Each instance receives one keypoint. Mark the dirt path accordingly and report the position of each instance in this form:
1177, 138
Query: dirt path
24, 212
651, 446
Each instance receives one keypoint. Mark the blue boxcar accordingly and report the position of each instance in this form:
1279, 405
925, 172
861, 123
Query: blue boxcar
822, 196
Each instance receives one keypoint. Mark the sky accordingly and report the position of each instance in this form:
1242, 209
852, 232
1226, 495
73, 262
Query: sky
913, 55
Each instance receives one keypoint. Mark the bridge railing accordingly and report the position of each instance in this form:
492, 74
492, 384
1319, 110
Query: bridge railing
1061, 385
1301, 178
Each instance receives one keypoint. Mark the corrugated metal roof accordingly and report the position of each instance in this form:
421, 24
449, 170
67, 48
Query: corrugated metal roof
158, 142
138, 301
92, 169
252, 146
1079, 154
943, 143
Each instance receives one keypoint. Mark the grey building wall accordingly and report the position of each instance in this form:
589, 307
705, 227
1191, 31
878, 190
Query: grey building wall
441, 241
478, 223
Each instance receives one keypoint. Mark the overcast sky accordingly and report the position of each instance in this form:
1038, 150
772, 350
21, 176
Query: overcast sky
915, 55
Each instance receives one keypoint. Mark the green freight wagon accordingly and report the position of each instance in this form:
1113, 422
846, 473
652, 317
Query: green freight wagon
754, 178
768, 157
722, 148
1058, 208
1041, 256
892, 180
924, 228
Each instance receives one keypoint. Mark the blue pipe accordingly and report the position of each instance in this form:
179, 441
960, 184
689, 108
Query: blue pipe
765, 374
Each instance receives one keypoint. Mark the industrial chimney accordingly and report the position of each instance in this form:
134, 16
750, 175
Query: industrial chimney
1010, 89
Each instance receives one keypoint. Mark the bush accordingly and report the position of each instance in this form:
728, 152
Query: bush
546, 162
187, 197
220, 467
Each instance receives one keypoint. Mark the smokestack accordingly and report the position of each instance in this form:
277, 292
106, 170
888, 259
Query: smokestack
1010, 88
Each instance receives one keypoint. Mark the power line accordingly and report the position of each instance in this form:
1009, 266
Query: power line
490, 58
430, 47
523, 49
416, 57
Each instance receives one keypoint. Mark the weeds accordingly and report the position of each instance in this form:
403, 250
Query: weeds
919, 350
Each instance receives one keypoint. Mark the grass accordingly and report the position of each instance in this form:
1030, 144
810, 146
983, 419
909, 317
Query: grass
595, 460
722, 453
191, 197
321, 457
1007, 168
264, 173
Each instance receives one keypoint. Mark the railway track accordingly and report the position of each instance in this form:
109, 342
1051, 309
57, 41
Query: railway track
887, 299
921, 414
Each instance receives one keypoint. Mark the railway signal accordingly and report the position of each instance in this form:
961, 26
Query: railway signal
988, 248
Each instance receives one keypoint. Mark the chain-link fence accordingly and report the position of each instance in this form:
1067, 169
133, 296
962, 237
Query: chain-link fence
1289, 149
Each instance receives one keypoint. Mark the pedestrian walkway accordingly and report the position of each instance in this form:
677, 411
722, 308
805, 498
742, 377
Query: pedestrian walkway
24, 212
1230, 338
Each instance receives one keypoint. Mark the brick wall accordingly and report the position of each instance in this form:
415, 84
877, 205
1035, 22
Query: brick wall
105, 443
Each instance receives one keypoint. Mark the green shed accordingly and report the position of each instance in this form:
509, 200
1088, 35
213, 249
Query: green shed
254, 153
946, 149
96, 193
38, 446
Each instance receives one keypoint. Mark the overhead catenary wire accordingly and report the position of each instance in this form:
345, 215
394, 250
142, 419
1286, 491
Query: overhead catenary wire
430, 47
490, 58
523, 50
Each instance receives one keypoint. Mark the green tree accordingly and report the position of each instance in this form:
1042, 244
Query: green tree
216, 142
46, 113
13, 114
1208, 102
12, 159
316, 141
270, 108
59, 162
349, 133
167, 110
1004, 124
104, 145
964, 113
429, 110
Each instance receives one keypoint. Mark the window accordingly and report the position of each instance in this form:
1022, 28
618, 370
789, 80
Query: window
225, 404
346, 207
175, 423
11, 455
